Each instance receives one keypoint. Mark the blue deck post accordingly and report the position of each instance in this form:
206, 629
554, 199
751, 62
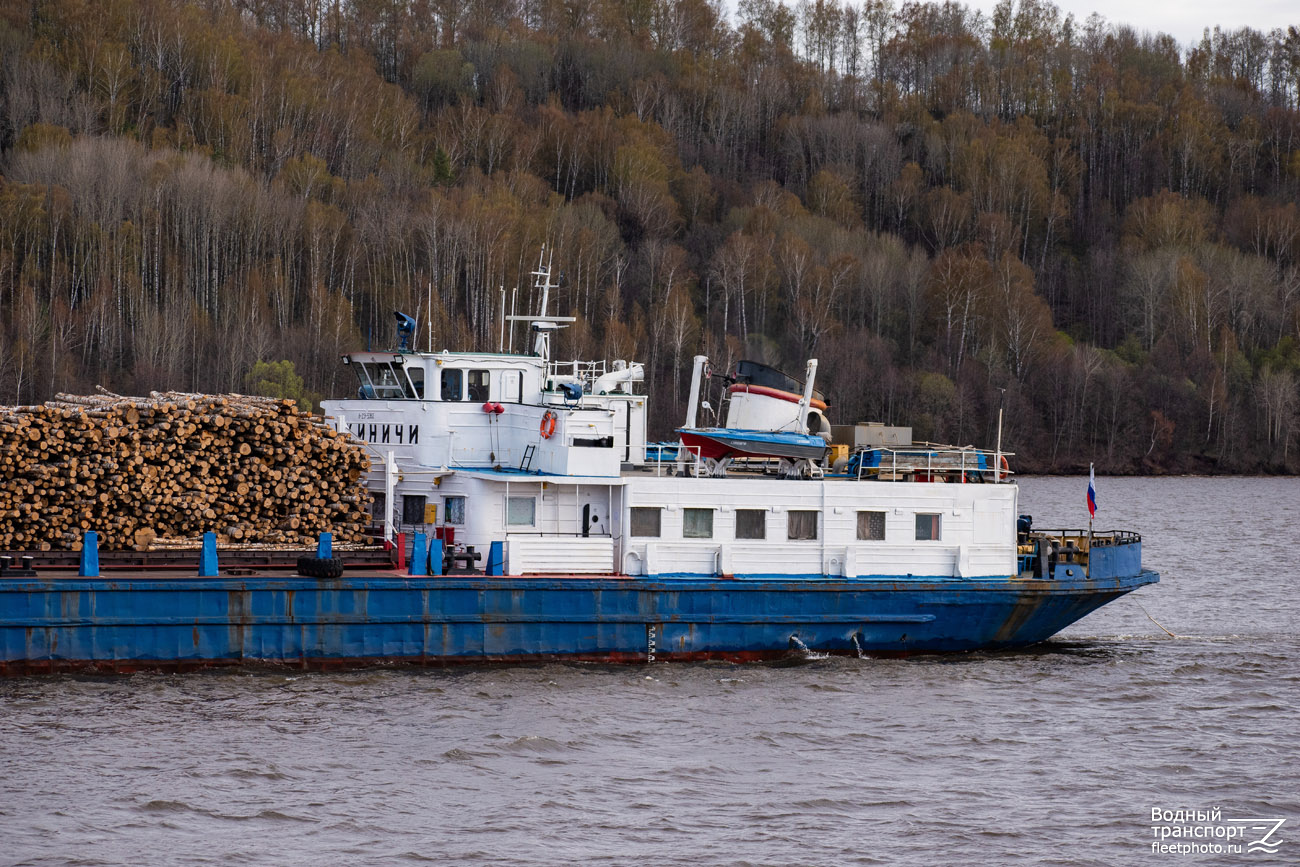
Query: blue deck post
89, 555
208, 557
435, 557
419, 557
325, 546
496, 564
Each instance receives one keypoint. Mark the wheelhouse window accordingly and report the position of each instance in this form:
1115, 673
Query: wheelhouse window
697, 523
455, 509
521, 511
646, 521
927, 527
802, 524
413, 509
450, 384
871, 526
415, 374
380, 381
751, 523
478, 385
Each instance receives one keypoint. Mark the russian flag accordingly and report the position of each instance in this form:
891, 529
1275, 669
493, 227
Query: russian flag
1092, 493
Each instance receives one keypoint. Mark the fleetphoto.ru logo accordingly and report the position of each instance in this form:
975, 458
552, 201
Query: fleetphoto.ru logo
1207, 832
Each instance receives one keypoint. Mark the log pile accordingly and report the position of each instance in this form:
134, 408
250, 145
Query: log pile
175, 465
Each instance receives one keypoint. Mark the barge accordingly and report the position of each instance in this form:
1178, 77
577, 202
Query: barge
529, 518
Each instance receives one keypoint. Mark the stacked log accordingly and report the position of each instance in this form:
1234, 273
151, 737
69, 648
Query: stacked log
175, 465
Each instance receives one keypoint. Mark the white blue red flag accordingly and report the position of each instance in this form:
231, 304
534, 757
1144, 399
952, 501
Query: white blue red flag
1092, 493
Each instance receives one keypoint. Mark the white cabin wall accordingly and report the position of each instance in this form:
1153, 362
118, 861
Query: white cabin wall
836, 551
460, 434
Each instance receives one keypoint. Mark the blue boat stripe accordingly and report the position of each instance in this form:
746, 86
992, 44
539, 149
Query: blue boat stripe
370, 620
655, 584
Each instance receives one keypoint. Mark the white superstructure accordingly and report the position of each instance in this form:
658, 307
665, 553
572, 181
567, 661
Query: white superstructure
551, 460
463, 433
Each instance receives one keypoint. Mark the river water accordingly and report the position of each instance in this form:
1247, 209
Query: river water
1055, 756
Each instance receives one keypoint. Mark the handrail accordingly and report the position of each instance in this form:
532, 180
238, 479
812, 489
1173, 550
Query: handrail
659, 462
1104, 537
931, 451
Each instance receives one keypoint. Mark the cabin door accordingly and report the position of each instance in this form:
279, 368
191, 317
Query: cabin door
512, 387
594, 517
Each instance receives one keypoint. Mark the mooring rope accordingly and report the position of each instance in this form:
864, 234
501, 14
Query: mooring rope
1152, 619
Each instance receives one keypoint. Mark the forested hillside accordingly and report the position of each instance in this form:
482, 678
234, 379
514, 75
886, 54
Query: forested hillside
1097, 228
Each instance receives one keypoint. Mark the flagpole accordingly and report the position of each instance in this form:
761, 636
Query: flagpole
1088, 573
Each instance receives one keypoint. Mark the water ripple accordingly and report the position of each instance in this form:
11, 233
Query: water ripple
1054, 755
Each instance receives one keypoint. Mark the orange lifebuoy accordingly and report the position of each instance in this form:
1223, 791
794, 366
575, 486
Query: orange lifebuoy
548, 425
1006, 470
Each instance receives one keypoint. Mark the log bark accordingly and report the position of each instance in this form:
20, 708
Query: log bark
172, 466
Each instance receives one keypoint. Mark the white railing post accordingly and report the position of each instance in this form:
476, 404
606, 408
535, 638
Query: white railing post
390, 485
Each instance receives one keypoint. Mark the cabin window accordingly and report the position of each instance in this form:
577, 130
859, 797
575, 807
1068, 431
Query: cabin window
416, 374
455, 508
366, 389
927, 528
377, 507
697, 523
521, 511
450, 384
478, 385
751, 523
413, 510
593, 442
645, 522
871, 526
387, 385
802, 524
379, 380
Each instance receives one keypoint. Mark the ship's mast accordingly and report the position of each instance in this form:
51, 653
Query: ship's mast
542, 345
543, 281
543, 324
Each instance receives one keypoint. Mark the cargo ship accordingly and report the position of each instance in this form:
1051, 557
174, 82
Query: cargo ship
527, 517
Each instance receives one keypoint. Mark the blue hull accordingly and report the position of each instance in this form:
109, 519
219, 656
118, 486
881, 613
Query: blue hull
49, 624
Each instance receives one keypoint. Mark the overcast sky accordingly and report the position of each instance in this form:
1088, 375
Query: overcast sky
1183, 19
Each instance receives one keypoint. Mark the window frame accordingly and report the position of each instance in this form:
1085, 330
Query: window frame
450, 514
416, 379
697, 512
519, 498
762, 524
408, 501
480, 391
451, 373
883, 525
789, 528
643, 511
936, 526
381, 380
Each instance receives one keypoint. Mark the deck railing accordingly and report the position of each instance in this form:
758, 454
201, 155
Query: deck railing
1092, 537
934, 461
